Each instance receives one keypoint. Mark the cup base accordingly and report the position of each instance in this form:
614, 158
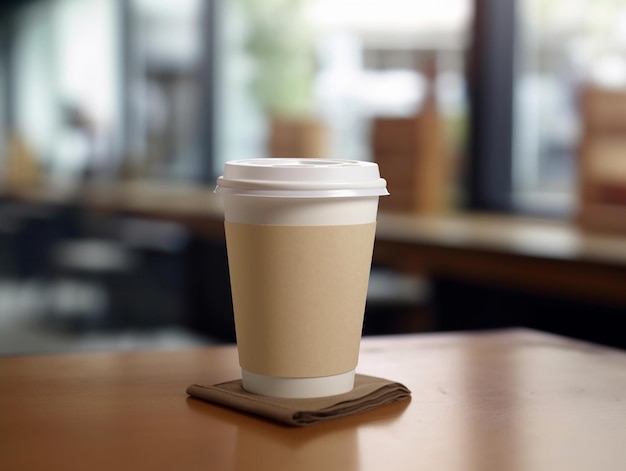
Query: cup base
297, 388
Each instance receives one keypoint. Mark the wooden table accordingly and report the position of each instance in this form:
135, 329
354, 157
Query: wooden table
508, 400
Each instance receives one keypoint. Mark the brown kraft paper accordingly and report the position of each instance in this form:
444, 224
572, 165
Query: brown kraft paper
299, 296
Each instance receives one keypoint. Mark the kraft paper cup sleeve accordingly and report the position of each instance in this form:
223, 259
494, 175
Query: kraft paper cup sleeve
369, 392
304, 320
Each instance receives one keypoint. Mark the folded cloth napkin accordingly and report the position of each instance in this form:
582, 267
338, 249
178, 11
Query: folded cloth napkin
369, 392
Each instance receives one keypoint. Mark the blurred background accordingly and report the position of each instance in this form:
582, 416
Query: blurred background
498, 124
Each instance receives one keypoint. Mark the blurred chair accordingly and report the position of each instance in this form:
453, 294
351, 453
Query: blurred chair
136, 268
37, 228
161, 247
8, 239
602, 160
396, 304
89, 281
208, 308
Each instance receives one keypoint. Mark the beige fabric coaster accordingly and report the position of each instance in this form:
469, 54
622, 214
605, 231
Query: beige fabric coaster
369, 392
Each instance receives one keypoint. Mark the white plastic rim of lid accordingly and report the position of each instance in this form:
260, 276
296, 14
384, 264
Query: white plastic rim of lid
301, 178
297, 388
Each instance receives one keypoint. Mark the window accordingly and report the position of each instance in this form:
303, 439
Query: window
337, 62
562, 45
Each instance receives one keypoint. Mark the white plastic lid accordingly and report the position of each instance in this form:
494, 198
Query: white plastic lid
301, 178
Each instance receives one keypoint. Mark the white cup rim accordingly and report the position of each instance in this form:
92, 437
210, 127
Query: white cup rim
294, 190
302, 178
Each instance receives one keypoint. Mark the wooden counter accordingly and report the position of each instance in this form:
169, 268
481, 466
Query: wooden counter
540, 256
537, 255
509, 400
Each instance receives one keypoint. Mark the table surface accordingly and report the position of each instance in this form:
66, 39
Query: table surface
507, 400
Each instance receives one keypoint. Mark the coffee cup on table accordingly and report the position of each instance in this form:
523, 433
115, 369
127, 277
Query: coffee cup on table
299, 235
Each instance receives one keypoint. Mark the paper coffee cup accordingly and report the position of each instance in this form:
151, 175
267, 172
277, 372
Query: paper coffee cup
299, 235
